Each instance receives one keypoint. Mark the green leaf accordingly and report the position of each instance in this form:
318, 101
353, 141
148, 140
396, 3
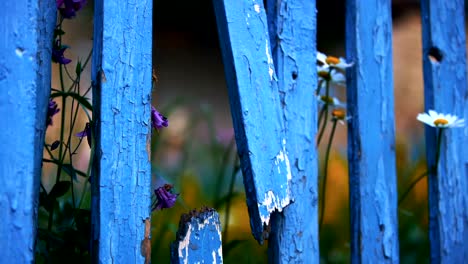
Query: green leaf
82, 100
68, 168
60, 189
59, 32
78, 68
232, 244
226, 199
45, 201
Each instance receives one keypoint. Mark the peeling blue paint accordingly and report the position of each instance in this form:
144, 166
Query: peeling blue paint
371, 139
121, 77
292, 28
255, 107
25, 70
198, 239
445, 90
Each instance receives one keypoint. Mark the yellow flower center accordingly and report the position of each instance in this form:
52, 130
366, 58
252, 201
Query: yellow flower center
339, 114
324, 74
440, 122
332, 60
326, 99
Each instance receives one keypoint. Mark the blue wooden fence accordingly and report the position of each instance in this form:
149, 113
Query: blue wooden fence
269, 57
371, 138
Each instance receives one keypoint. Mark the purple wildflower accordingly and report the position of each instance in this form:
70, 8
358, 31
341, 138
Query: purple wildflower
57, 54
158, 121
165, 198
70, 7
51, 111
85, 133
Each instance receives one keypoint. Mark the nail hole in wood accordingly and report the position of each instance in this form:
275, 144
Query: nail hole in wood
435, 55
294, 75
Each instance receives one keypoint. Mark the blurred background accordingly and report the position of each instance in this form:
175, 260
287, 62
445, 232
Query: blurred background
196, 152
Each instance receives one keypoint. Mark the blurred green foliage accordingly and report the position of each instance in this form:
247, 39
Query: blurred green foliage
202, 173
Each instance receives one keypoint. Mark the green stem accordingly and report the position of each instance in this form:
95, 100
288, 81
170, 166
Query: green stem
434, 169
221, 170
325, 173
439, 144
411, 186
235, 170
323, 113
61, 152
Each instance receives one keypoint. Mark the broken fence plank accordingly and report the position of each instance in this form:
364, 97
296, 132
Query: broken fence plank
198, 239
255, 108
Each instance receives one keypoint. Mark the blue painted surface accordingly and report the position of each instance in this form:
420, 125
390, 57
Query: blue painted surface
292, 27
256, 108
198, 239
122, 95
25, 67
445, 90
371, 139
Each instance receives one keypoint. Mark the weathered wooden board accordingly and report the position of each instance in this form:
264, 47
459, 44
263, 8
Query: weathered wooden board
198, 239
256, 108
445, 90
371, 139
26, 29
292, 27
122, 96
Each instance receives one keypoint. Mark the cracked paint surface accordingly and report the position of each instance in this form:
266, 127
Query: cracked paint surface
122, 74
255, 108
25, 81
199, 240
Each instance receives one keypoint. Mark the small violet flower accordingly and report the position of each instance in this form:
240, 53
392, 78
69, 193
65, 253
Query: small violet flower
57, 54
86, 133
165, 198
158, 121
70, 7
51, 111
435, 119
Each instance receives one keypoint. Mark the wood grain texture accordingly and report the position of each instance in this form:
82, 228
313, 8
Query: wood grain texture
26, 29
292, 27
198, 239
255, 107
371, 139
445, 90
121, 78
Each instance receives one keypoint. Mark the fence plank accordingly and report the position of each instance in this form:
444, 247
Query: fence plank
371, 153
25, 68
255, 108
292, 35
122, 96
198, 238
445, 90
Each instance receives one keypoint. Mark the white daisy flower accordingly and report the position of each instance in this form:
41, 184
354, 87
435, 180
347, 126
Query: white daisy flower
435, 119
336, 77
333, 101
330, 61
